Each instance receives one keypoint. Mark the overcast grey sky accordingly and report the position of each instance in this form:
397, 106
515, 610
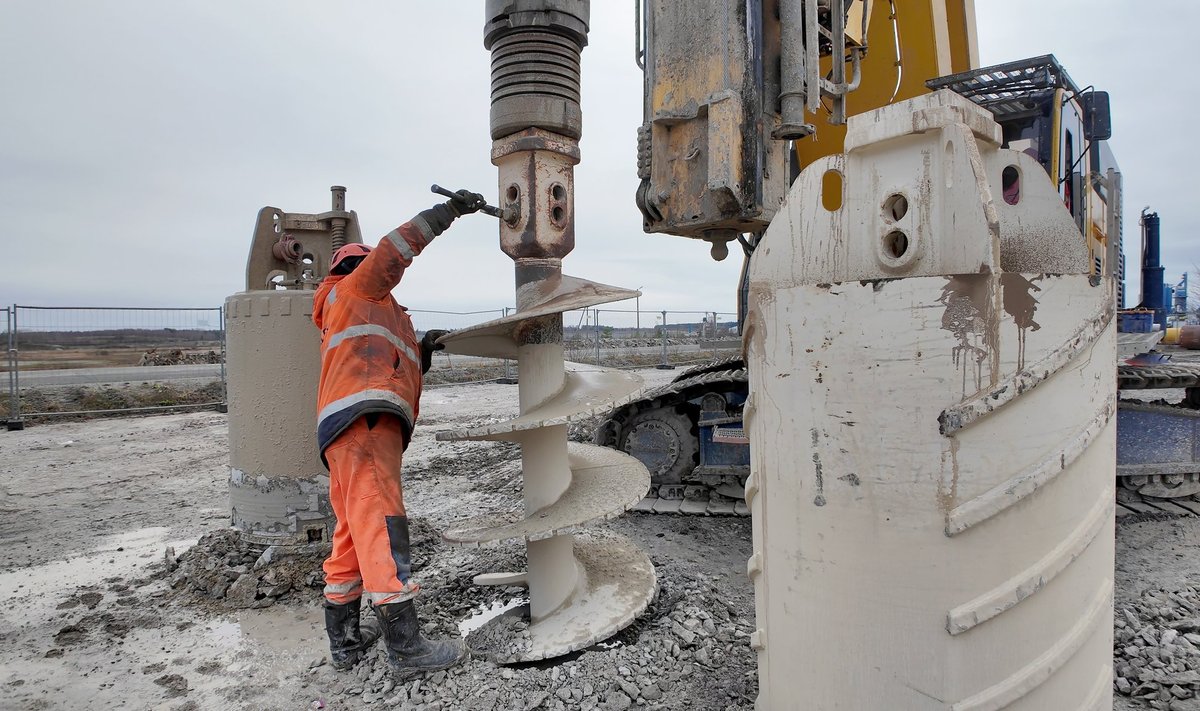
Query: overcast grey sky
139, 138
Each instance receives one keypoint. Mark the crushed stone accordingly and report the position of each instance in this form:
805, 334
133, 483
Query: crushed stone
1156, 648
689, 650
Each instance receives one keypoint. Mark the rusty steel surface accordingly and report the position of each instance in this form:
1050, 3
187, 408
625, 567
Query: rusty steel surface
537, 184
1189, 337
292, 250
708, 164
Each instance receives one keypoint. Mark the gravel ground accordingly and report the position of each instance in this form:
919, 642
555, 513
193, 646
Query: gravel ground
104, 516
95, 614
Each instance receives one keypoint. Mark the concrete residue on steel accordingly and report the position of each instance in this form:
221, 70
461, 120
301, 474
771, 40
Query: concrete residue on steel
539, 184
499, 338
276, 474
1028, 481
988, 547
1025, 378
599, 477
621, 582
587, 390
1034, 578
278, 509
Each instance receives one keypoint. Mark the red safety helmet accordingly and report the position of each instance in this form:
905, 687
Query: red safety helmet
348, 250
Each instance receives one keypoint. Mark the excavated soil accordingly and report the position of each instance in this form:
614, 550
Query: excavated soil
121, 587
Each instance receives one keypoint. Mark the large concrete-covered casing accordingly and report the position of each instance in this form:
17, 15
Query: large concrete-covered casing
278, 488
931, 484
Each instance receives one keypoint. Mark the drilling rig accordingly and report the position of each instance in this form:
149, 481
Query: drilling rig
929, 340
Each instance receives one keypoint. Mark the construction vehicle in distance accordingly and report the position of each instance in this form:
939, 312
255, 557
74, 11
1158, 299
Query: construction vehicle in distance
690, 433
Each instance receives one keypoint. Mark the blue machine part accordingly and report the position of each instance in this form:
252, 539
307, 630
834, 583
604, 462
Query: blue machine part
723, 441
730, 447
1135, 321
1157, 440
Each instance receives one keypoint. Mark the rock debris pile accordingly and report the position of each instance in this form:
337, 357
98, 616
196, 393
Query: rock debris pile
229, 573
1156, 649
177, 357
222, 569
689, 650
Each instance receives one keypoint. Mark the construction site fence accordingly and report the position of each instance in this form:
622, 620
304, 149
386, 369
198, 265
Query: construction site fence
615, 338
87, 361
93, 361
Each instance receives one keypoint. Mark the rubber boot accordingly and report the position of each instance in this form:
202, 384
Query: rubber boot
348, 640
408, 652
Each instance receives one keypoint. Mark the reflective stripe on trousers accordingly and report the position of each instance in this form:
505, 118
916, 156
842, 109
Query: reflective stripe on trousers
370, 542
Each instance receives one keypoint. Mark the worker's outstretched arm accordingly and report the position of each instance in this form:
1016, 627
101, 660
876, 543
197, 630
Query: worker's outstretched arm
383, 268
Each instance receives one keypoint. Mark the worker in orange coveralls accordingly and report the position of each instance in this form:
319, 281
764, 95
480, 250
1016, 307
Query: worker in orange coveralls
371, 371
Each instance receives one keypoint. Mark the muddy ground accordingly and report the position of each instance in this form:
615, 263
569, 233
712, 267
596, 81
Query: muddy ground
92, 615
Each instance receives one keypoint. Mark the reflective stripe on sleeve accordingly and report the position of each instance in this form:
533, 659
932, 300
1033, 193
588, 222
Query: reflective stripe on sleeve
350, 400
401, 244
426, 230
371, 329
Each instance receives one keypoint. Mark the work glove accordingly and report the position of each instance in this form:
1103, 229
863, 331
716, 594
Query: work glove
440, 216
428, 346
466, 202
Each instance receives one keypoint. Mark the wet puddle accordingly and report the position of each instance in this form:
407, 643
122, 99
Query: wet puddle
484, 614
117, 556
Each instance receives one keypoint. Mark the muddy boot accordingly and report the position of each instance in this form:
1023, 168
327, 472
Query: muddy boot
408, 652
348, 641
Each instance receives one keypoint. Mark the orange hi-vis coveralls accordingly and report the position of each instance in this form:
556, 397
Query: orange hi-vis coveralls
367, 403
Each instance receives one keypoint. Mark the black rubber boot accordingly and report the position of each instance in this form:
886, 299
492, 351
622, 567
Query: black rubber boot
348, 640
408, 652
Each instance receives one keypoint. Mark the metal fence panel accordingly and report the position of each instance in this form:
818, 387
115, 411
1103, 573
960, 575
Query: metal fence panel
636, 337
12, 408
93, 360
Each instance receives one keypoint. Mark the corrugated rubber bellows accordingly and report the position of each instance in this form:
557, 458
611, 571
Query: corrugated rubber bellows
536, 66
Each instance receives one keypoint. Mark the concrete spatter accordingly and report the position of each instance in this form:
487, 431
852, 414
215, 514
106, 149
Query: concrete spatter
1021, 304
970, 315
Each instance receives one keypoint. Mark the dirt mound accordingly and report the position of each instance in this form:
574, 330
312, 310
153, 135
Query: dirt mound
94, 401
178, 357
225, 572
